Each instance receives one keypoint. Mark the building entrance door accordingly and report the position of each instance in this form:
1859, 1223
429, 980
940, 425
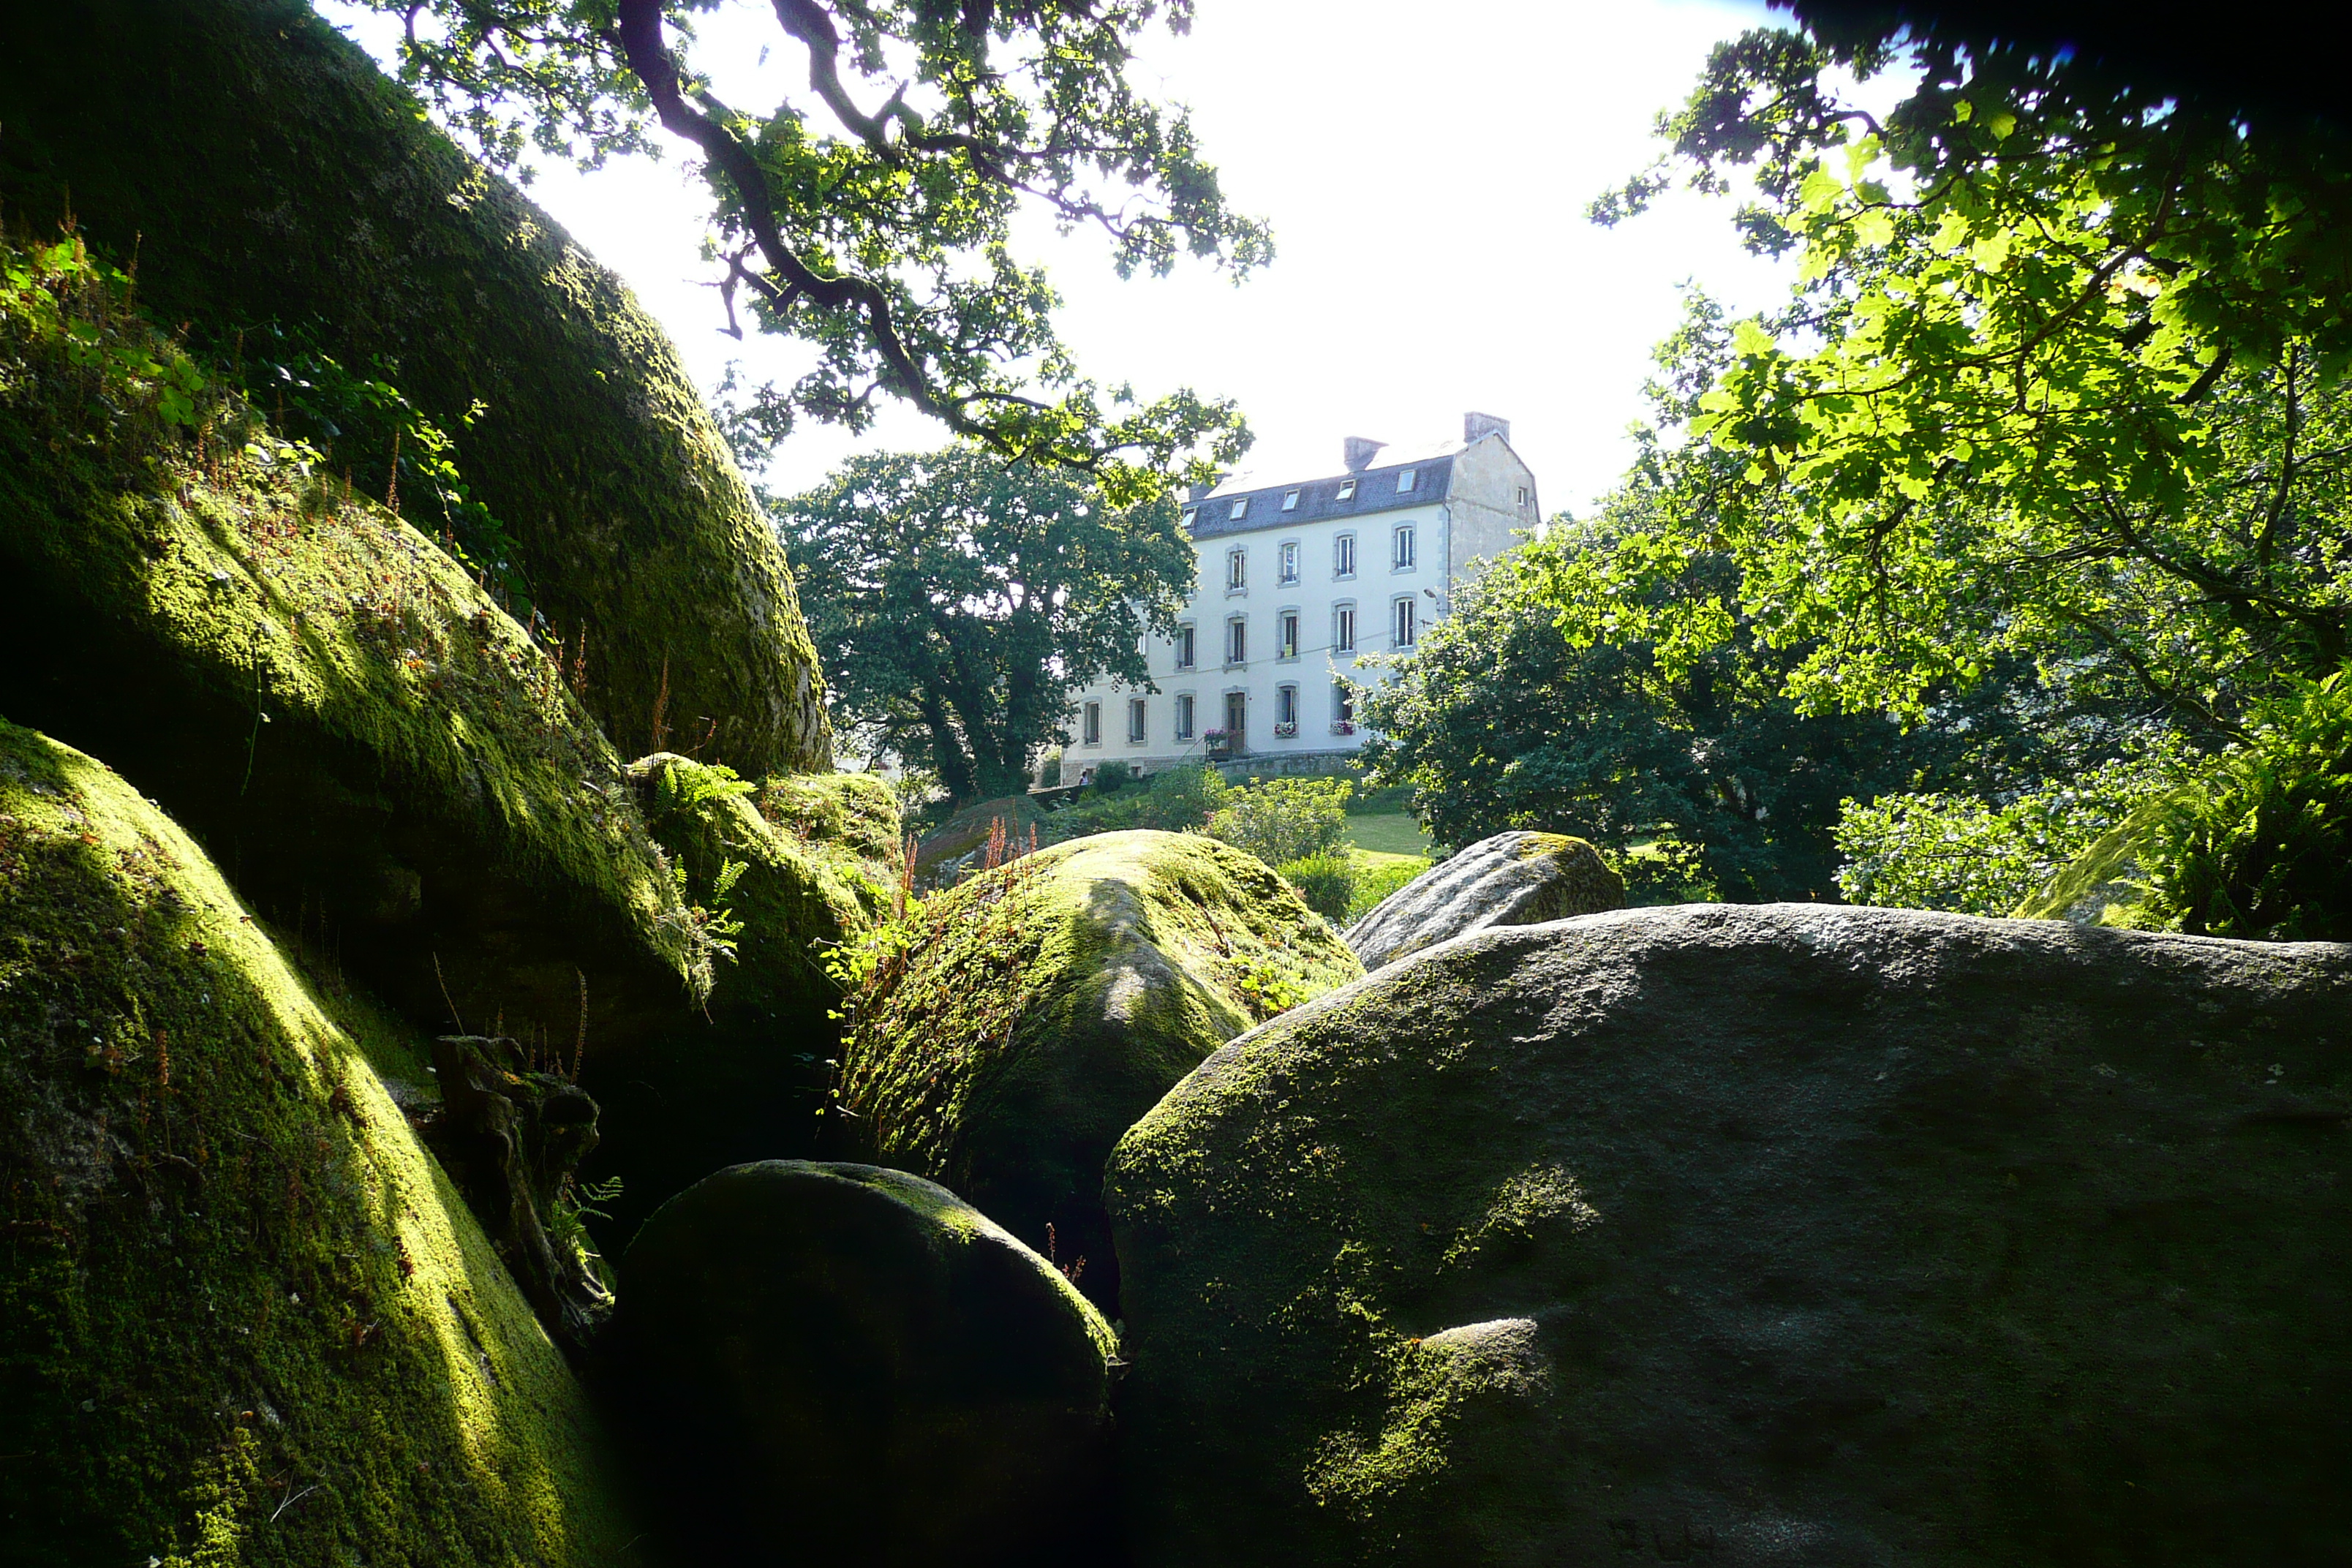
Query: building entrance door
1237, 709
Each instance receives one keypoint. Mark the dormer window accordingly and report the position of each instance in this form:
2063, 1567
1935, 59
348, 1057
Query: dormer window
1240, 509
1290, 500
1192, 512
1404, 481
1347, 490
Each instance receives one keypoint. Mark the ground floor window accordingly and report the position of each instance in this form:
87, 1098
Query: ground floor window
1285, 709
1343, 709
1092, 729
1135, 721
1184, 716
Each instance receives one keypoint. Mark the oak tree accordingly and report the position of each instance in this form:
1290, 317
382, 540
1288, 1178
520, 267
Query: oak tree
957, 601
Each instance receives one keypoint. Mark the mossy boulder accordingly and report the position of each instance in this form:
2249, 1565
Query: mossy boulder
839, 1364
365, 740
1756, 1234
1513, 878
264, 171
784, 870
1041, 1007
244, 1318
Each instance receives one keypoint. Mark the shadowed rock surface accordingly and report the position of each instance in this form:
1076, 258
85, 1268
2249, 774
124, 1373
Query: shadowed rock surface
1753, 1235
807, 860
840, 1363
1510, 879
245, 1320
1051, 1002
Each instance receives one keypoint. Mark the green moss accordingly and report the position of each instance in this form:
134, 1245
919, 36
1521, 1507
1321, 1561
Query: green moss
1040, 1009
245, 1320
368, 740
263, 170
807, 861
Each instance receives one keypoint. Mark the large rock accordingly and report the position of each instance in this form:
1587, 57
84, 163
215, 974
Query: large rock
371, 746
806, 861
244, 1318
1753, 1235
1040, 1009
264, 171
1510, 879
839, 1364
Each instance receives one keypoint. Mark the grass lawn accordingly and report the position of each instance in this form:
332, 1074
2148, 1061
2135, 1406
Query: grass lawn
1388, 833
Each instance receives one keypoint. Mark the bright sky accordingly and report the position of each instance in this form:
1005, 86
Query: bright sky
1426, 171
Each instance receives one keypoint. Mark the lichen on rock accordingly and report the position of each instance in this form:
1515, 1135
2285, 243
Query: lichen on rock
245, 1320
1754, 1234
1512, 879
1040, 1007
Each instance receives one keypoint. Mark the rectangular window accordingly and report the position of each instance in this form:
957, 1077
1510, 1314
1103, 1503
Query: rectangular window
1236, 641
1343, 706
1290, 500
1184, 717
1094, 724
1236, 570
1239, 508
1404, 622
1190, 513
1343, 556
1347, 490
1403, 549
1287, 559
1285, 709
1343, 629
1287, 638
1404, 482
1184, 646
1523, 495
1135, 721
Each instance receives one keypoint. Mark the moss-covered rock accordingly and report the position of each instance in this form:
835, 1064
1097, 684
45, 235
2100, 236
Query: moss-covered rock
1513, 878
838, 1363
364, 740
263, 170
1041, 1007
1756, 1234
784, 870
244, 1319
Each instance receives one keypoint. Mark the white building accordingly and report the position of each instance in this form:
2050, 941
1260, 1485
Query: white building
1298, 581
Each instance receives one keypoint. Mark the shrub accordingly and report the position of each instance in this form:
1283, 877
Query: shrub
1112, 777
1324, 881
2258, 844
1279, 820
1972, 856
1050, 775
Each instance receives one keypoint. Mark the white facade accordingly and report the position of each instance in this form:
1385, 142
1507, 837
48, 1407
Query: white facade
1298, 581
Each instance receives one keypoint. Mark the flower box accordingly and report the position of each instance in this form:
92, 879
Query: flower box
1285, 732
1343, 727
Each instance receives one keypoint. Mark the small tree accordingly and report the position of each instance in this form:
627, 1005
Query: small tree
958, 600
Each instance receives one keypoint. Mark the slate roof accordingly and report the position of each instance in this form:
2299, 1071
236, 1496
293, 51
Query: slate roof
1318, 500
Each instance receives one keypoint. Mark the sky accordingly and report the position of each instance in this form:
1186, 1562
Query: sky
1425, 170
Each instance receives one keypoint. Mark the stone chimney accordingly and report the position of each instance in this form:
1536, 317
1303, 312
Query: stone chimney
1361, 452
1475, 426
